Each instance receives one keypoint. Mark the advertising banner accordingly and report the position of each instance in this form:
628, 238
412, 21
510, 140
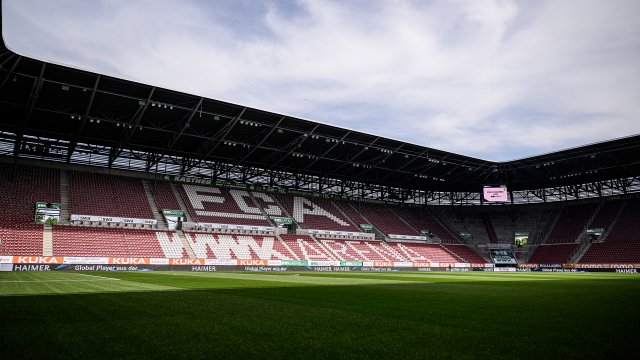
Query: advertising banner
350, 263
234, 227
85, 260
113, 219
407, 237
282, 220
339, 233
294, 263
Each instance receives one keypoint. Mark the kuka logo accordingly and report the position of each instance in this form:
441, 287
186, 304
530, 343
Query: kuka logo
128, 261
252, 262
186, 262
383, 263
37, 260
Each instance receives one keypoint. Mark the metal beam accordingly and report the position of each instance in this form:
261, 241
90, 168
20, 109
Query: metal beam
26, 118
13, 68
74, 142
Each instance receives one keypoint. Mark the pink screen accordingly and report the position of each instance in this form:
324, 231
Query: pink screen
495, 193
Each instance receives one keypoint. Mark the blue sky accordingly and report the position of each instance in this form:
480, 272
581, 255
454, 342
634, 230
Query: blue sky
494, 79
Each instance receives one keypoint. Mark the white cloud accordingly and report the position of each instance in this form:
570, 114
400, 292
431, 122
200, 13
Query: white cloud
565, 73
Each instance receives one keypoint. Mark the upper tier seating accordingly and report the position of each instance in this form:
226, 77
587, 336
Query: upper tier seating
553, 254
220, 205
622, 242
627, 227
316, 213
362, 250
606, 214
108, 195
348, 210
243, 247
465, 253
424, 252
385, 220
20, 188
306, 248
164, 196
115, 242
423, 220
571, 223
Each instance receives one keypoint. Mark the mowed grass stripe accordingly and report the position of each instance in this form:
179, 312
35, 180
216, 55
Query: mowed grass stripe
295, 278
43, 283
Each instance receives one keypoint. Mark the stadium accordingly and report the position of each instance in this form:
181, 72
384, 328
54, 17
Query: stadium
145, 222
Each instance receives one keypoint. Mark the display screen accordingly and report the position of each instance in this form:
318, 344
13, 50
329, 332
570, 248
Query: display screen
521, 238
495, 193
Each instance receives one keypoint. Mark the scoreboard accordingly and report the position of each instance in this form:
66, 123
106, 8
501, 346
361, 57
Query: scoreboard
495, 193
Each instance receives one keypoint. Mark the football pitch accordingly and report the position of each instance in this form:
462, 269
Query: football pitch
314, 315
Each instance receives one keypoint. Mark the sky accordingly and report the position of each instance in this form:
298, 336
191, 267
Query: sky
493, 79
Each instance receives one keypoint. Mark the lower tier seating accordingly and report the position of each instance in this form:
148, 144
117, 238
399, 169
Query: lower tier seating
362, 250
243, 247
610, 253
465, 253
118, 242
553, 254
425, 252
21, 239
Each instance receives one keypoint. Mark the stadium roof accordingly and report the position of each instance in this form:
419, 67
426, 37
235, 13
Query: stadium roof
56, 108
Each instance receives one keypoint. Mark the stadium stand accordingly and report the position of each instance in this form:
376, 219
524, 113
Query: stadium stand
243, 247
424, 252
385, 220
621, 243
553, 253
164, 196
20, 188
220, 205
488, 227
107, 195
606, 214
317, 214
571, 222
306, 247
423, 220
115, 242
464, 252
361, 250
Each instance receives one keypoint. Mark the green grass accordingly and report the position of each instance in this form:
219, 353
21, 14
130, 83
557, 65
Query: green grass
319, 315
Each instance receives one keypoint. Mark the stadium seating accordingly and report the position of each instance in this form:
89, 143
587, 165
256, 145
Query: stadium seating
424, 252
423, 220
220, 205
348, 210
243, 247
606, 214
20, 188
164, 196
488, 227
21, 239
571, 223
316, 213
107, 195
621, 244
361, 250
115, 242
553, 254
385, 220
465, 253
307, 248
